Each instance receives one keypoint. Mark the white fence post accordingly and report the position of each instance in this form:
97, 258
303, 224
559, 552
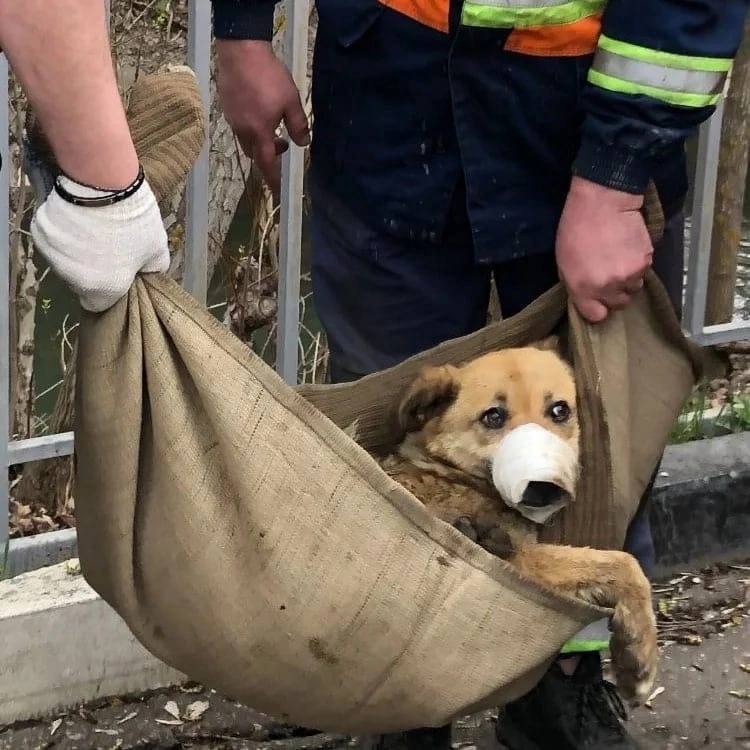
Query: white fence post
4, 307
292, 185
195, 275
701, 227
701, 234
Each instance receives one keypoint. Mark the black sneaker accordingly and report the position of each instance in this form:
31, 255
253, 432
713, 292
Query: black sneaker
580, 712
416, 739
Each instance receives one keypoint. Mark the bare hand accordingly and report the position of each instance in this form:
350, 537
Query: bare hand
603, 248
257, 93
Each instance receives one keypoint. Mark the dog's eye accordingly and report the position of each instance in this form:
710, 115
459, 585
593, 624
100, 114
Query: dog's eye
495, 418
559, 411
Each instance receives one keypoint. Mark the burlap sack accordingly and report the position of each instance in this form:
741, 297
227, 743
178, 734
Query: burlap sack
633, 373
250, 543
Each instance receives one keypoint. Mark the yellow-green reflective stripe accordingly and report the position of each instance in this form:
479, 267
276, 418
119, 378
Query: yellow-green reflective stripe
666, 59
501, 14
523, 3
658, 76
577, 647
678, 98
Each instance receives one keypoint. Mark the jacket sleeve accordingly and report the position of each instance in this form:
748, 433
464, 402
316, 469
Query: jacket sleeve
657, 74
243, 19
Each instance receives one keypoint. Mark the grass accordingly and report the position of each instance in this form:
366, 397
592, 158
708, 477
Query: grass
695, 422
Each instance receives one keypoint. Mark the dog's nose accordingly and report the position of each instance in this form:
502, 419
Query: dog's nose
542, 494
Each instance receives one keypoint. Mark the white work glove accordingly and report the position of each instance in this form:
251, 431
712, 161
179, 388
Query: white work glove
99, 250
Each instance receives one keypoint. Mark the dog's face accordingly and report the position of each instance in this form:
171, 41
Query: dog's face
508, 417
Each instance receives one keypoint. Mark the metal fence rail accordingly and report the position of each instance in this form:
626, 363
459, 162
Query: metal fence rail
699, 256
196, 251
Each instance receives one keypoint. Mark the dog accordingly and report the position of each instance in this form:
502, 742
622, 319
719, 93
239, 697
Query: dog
491, 447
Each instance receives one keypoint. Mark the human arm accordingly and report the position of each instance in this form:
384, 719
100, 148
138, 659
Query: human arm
256, 90
60, 53
655, 77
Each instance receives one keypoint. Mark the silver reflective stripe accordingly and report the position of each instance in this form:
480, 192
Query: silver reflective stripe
522, 3
658, 76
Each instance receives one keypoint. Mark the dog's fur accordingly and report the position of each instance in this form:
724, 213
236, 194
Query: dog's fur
445, 460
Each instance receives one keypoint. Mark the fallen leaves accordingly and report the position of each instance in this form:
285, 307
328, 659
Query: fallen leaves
73, 567
651, 698
689, 639
28, 520
172, 709
193, 712
191, 688
689, 609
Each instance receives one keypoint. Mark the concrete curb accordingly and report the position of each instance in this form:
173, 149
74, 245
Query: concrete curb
62, 645
38, 551
701, 503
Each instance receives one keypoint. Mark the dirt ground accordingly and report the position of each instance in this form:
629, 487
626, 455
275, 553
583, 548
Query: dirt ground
702, 696
737, 379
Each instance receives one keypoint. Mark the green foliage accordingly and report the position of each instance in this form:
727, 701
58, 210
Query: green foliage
698, 421
161, 13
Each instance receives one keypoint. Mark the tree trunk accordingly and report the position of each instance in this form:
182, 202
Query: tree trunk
733, 164
23, 282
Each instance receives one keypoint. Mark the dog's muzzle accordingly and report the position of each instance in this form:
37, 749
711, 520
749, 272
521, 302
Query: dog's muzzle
535, 471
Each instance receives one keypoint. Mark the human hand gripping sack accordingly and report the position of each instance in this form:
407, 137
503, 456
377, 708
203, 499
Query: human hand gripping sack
98, 250
603, 248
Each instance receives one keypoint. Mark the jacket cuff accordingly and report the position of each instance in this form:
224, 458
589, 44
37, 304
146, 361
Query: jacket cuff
616, 168
235, 19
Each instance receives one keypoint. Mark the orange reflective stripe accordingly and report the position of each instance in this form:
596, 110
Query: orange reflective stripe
433, 13
565, 40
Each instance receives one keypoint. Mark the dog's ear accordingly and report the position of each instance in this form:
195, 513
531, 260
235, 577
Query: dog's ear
550, 344
427, 397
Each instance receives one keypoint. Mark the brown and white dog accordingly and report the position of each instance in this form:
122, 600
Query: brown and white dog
492, 448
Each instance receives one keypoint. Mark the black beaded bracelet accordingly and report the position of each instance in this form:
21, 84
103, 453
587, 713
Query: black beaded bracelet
104, 200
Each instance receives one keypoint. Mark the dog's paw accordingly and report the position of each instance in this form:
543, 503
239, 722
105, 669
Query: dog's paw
635, 652
497, 541
466, 527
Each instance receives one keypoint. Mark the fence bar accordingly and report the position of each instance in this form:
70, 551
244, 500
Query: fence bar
704, 207
292, 186
704, 201
195, 274
33, 552
723, 333
40, 448
4, 305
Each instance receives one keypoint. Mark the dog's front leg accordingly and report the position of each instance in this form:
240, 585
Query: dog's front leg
608, 579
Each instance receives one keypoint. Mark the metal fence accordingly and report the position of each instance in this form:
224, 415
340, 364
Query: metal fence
196, 251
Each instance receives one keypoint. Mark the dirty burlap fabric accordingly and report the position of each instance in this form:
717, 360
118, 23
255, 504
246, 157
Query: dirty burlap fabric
249, 542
